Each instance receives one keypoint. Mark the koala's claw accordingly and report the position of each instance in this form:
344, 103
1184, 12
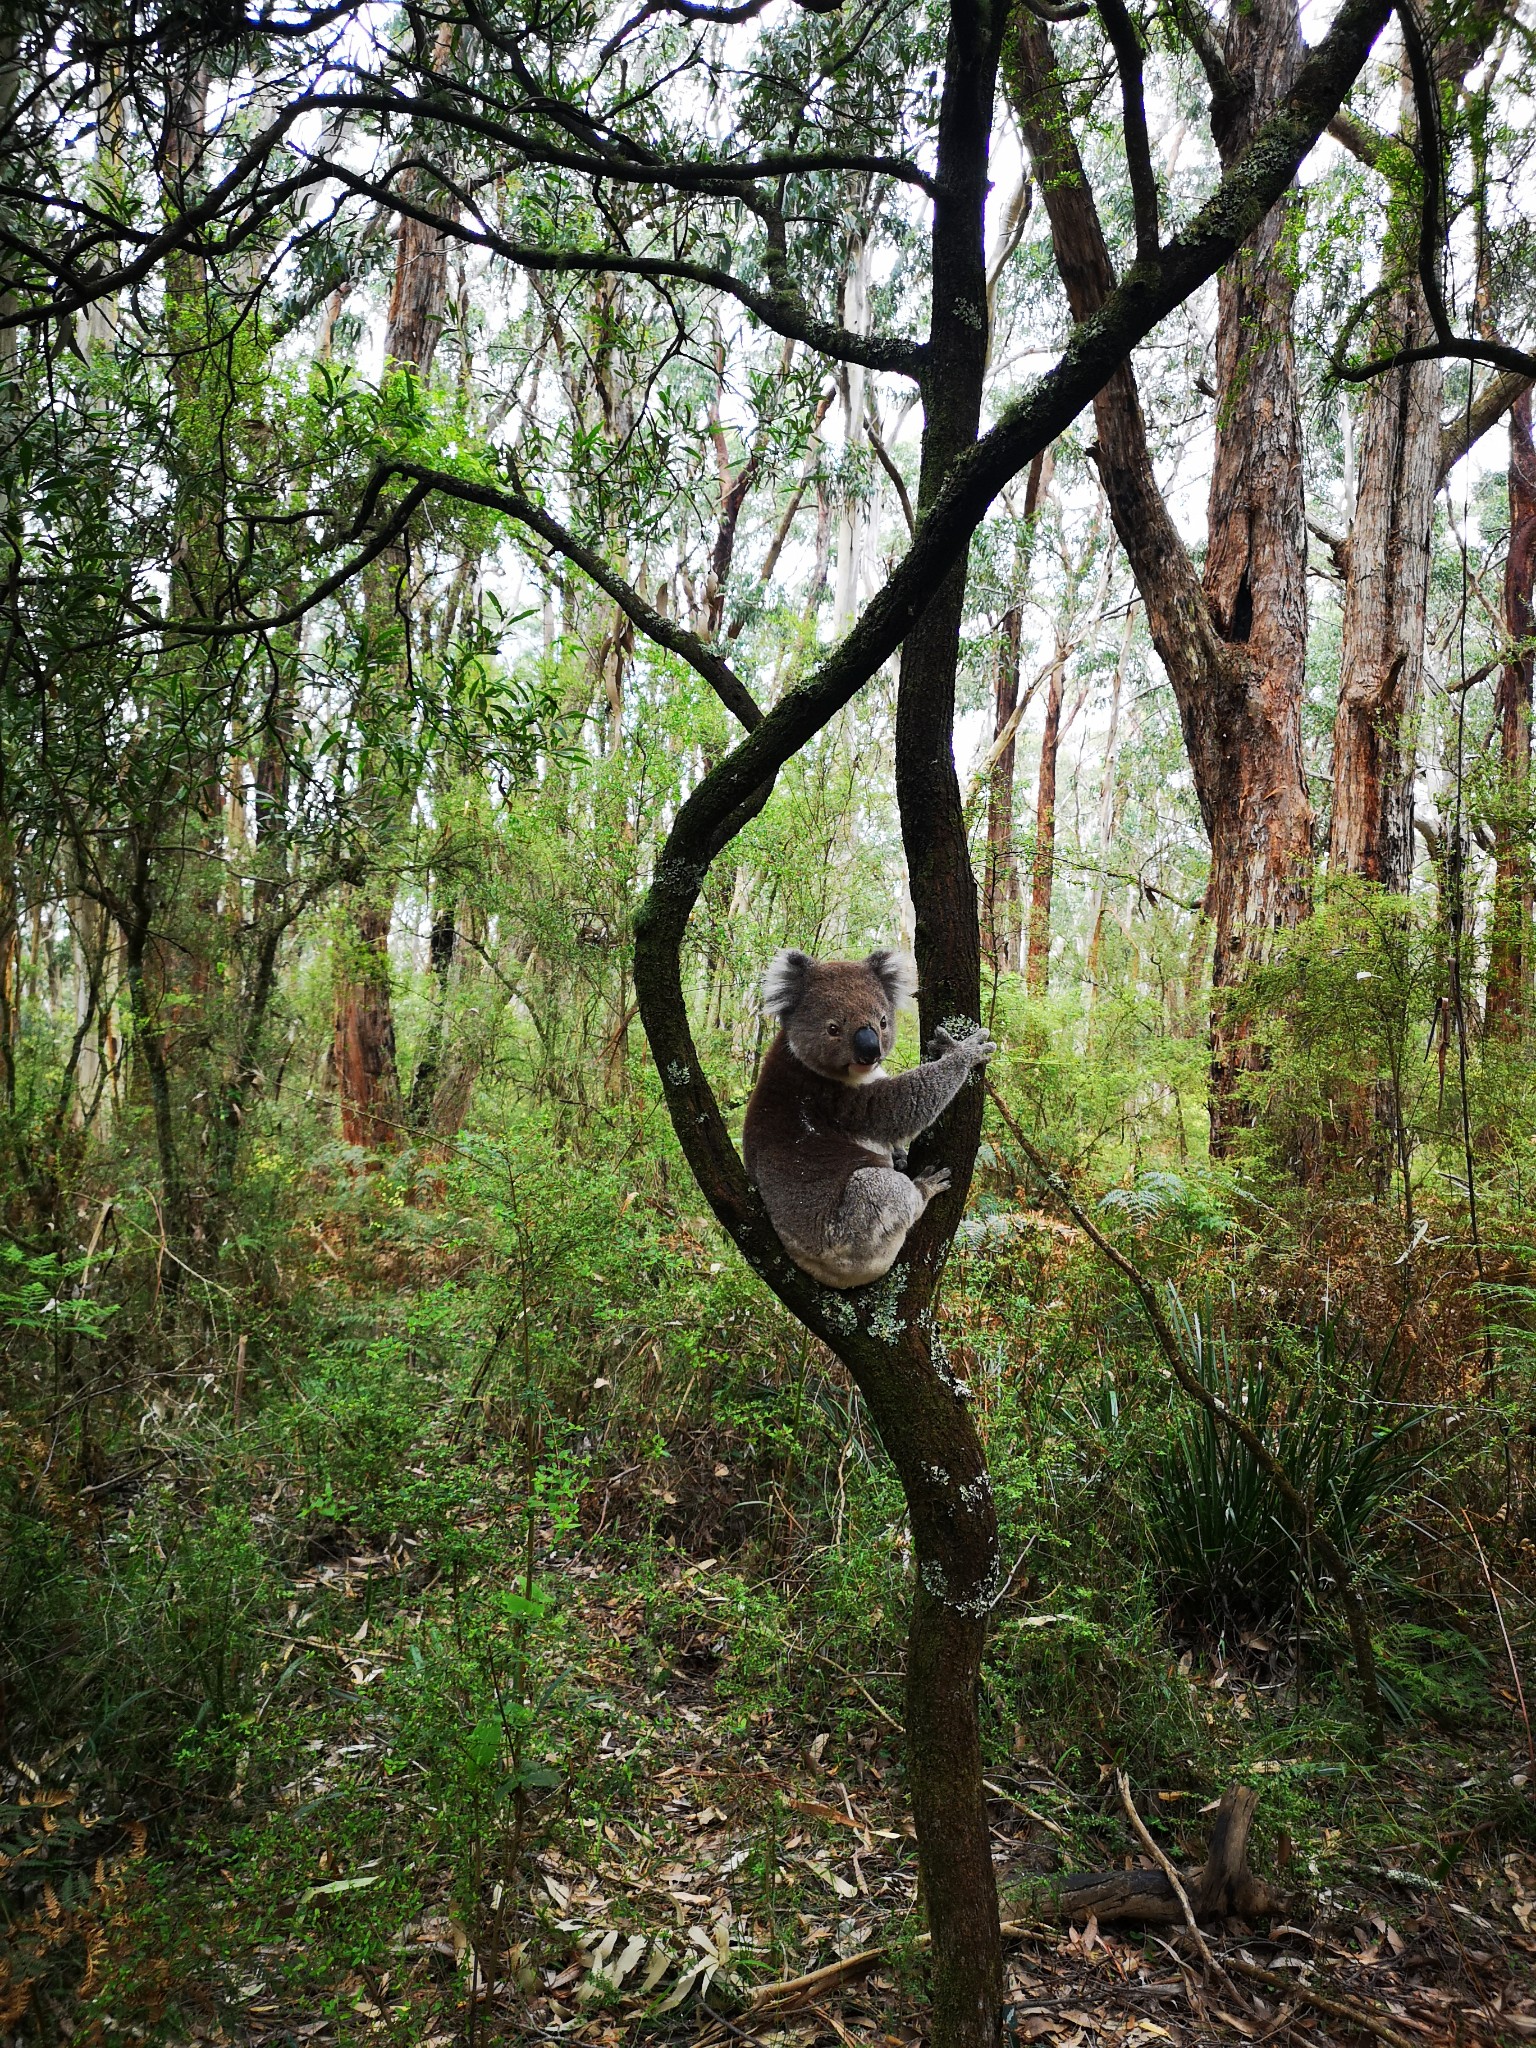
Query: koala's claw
932, 1183
978, 1045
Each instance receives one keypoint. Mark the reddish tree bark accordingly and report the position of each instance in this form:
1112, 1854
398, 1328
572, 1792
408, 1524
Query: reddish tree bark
1232, 643
364, 1044
1509, 958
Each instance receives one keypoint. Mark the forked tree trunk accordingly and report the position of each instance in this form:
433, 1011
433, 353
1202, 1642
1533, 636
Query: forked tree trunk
912, 1396
1509, 956
1037, 974
1232, 644
886, 1334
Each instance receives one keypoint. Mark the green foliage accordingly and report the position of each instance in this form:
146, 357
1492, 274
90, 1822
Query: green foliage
1342, 1011
1228, 1548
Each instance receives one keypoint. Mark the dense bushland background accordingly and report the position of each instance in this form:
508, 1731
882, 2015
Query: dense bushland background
399, 1471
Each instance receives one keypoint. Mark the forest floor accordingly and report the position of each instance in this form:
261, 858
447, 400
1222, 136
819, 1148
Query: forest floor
730, 1840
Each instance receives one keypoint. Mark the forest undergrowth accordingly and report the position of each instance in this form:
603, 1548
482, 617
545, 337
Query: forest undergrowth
481, 1616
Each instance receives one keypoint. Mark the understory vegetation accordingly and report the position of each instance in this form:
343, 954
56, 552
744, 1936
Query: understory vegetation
511, 514
357, 1610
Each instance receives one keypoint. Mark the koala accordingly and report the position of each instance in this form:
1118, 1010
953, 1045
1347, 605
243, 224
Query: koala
826, 1129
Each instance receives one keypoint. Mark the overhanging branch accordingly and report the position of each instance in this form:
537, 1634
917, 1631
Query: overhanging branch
677, 639
737, 789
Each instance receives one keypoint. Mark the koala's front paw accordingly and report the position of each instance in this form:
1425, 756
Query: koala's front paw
977, 1045
931, 1183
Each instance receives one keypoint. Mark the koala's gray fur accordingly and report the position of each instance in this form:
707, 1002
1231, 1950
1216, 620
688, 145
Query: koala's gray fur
826, 1129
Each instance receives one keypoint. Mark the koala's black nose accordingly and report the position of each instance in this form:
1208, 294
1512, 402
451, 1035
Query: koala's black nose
866, 1046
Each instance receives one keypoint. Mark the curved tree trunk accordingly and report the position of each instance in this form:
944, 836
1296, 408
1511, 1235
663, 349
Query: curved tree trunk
886, 1334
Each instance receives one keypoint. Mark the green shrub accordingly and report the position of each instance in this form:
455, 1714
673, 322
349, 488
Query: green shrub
1227, 1546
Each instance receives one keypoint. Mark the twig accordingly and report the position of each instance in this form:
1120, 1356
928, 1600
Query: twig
889, 1718
831, 2020
799, 1990
1341, 2008
1123, 1786
1509, 1648
718, 2019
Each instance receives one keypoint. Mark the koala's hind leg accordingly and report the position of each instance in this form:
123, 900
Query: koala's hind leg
877, 1210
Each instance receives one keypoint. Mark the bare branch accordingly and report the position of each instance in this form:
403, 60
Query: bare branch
1126, 40
1519, 362
1359, 138
780, 308
887, 463
1467, 427
699, 655
718, 177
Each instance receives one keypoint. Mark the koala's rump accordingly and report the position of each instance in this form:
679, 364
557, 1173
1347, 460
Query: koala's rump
798, 1158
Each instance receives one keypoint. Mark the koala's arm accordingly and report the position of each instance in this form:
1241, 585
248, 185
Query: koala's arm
895, 1108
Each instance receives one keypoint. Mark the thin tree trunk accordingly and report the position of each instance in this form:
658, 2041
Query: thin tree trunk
372, 1105
1037, 972
1509, 957
1381, 664
1109, 810
1233, 643
1001, 919
441, 946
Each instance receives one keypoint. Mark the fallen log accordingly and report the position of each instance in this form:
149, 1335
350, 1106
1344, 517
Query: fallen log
1225, 1888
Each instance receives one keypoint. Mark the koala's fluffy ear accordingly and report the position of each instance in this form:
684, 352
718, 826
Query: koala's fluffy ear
898, 974
784, 983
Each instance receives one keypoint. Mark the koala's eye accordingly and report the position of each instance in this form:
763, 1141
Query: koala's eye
834, 1031
884, 1023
